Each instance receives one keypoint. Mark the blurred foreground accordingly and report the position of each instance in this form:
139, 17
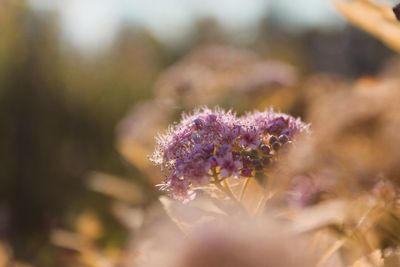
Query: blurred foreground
77, 188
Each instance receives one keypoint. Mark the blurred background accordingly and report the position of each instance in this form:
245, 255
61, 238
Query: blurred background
71, 71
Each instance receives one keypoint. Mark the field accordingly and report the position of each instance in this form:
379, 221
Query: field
262, 146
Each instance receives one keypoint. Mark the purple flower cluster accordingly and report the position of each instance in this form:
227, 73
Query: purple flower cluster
211, 145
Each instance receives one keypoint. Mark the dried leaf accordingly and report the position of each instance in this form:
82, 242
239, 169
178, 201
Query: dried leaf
88, 226
376, 18
116, 187
66, 240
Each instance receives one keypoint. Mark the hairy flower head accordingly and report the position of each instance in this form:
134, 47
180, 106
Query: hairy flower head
211, 145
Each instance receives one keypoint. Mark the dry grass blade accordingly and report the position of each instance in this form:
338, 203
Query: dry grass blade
248, 192
329, 253
115, 187
66, 239
377, 19
373, 260
321, 215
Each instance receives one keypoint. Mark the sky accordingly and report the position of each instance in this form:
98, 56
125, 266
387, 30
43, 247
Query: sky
91, 24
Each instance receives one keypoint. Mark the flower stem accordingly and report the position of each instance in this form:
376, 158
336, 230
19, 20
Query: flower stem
223, 186
243, 191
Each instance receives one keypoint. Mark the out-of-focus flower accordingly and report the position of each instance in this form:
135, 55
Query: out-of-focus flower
211, 75
355, 136
211, 145
306, 191
352, 158
255, 244
386, 191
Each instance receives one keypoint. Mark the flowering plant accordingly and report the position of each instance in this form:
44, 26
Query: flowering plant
209, 146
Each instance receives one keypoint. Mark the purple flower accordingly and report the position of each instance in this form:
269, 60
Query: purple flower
179, 189
250, 138
198, 172
230, 134
229, 166
223, 150
198, 124
274, 123
211, 119
277, 125
211, 145
247, 172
